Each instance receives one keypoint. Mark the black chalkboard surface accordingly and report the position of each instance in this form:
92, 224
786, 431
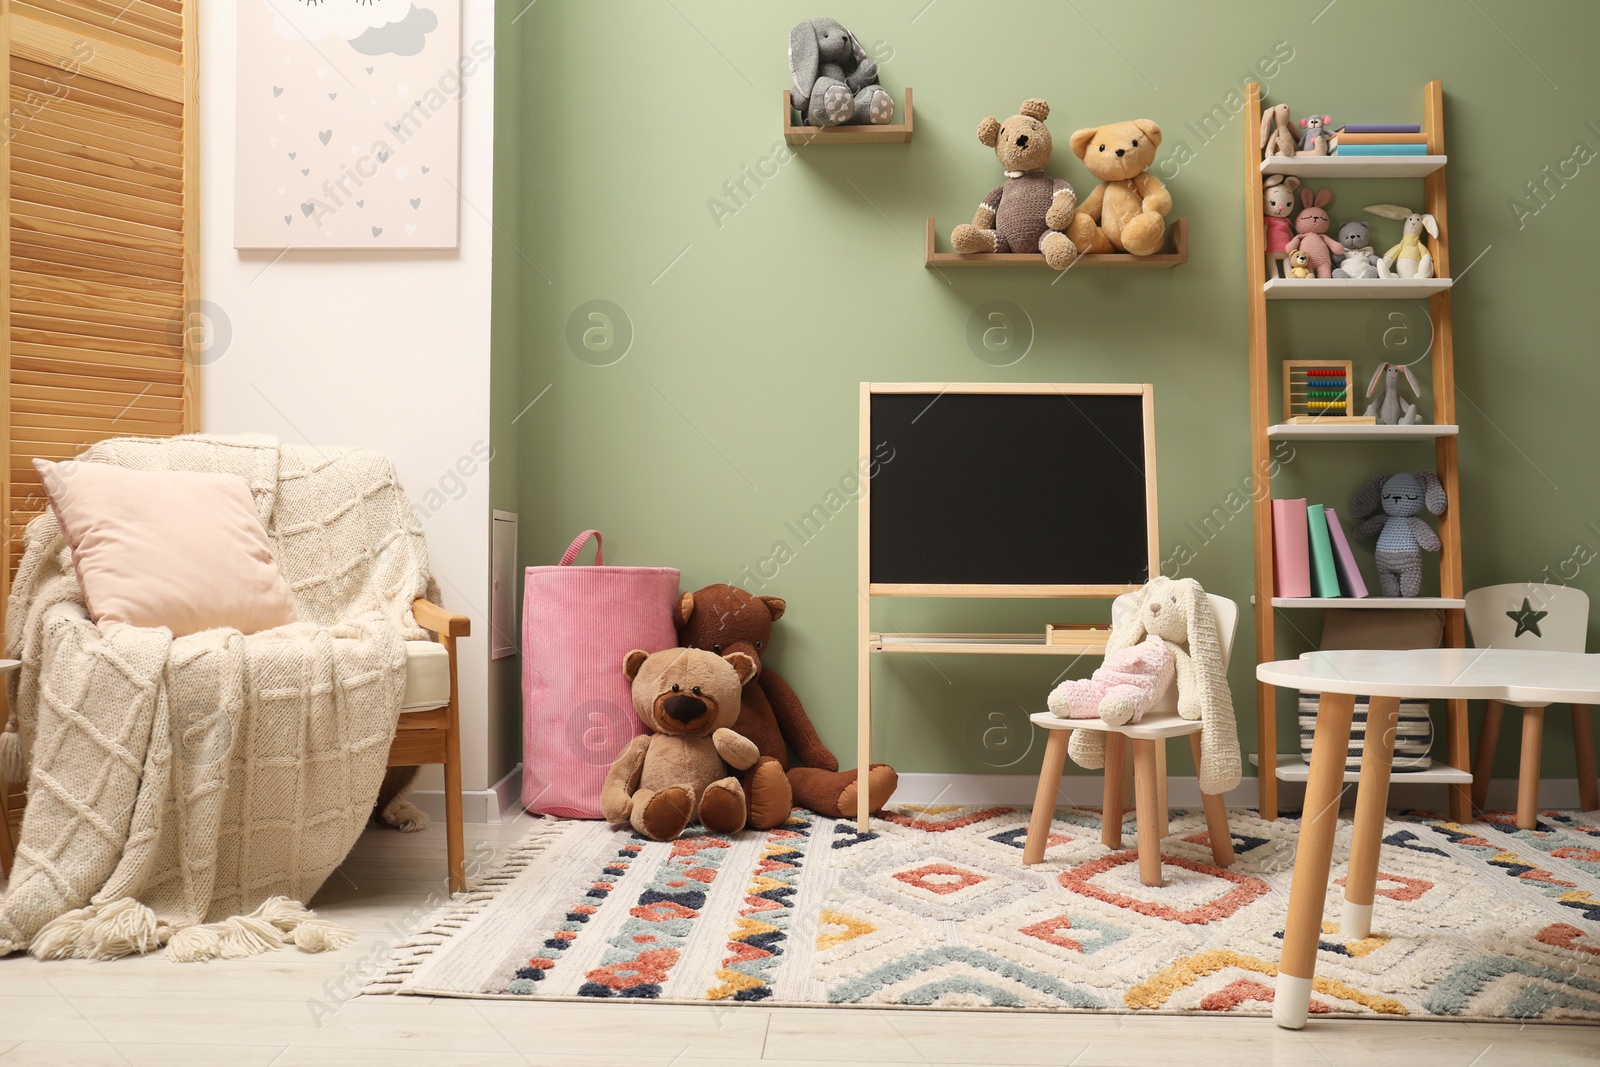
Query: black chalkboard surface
1041, 487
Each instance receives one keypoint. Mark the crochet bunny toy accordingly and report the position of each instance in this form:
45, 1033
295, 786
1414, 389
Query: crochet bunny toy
1179, 612
1402, 537
1277, 132
1311, 232
1277, 194
1126, 686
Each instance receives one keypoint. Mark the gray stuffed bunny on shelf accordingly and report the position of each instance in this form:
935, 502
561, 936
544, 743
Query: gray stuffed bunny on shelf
1390, 504
835, 81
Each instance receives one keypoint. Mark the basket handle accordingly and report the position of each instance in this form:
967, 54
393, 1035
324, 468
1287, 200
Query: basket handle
573, 549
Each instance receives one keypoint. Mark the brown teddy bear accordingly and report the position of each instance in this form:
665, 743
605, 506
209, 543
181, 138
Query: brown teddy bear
1127, 210
1029, 212
725, 619
665, 779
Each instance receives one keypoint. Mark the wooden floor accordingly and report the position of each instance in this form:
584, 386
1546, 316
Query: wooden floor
287, 1009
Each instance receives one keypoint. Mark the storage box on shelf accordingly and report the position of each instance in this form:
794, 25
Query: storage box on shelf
1264, 284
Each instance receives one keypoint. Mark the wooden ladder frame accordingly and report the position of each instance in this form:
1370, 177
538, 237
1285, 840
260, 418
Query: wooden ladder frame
1446, 462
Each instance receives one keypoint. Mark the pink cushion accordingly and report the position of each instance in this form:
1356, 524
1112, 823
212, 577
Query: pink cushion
179, 549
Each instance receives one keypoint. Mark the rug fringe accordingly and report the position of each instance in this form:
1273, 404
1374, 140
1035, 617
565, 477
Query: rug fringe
407, 955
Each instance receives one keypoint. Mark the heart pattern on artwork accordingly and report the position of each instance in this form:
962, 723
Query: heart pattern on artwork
333, 96
277, 90
416, 202
325, 136
308, 207
376, 230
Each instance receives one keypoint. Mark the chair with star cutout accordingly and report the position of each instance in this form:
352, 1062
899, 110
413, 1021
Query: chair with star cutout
1538, 618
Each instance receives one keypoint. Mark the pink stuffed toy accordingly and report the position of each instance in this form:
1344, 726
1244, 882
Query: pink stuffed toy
1311, 232
1126, 686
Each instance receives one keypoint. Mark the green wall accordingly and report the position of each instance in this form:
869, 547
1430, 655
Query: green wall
752, 320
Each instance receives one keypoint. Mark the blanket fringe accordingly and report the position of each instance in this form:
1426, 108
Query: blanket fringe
277, 920
13, 768
107, 931
405, 816
406, 956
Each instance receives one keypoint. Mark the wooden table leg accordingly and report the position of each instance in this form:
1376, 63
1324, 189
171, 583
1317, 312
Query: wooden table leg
1216, 817
1147, 817
1267, 743
1583, 756
1528, 776
1111, 804
1044, 798
1460, 748
1312, 859
1483, 762
1372, 800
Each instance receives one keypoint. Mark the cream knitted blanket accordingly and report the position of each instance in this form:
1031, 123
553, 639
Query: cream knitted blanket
194, 792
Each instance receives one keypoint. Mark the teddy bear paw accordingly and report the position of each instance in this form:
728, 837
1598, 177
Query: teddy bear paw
1059, 251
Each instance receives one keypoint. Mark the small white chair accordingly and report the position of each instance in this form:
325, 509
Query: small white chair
1509, 616
1149, 738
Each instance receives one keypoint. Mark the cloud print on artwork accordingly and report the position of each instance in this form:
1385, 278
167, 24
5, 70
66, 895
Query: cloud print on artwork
404, 38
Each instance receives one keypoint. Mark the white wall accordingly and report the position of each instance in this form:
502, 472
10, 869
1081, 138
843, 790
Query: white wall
381, 350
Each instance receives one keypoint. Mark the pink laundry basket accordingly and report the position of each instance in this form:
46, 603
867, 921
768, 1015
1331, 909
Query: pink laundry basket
578, 623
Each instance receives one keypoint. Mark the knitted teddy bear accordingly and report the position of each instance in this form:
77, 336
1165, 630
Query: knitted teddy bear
679, 771
1179, 613
725, 619
1402, 537
1126, 685
1029, 212
1300, 264
1127, 210
1311, 232
835, 81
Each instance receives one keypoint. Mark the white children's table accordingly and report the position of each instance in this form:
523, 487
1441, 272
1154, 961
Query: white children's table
1511, 675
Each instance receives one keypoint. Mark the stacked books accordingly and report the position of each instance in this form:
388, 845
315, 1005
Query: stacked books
1378, 139
1311, 556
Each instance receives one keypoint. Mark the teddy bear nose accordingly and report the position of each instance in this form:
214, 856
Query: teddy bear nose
1120, 151
684, 708
1022, 140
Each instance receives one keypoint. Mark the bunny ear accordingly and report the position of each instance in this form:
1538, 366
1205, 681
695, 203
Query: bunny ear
1266, 126
1389, 211
1432, 225
1368, 498
855, 46
1306, 197
803, 57
1416, 389
1433, 497
1372, 387
1130, 631
1324, 197
1219, 768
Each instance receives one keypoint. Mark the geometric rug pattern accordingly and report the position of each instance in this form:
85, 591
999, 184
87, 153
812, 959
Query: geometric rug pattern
934, 909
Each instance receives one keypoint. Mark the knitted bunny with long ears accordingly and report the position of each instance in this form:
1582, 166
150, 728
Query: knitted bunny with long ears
1180, 612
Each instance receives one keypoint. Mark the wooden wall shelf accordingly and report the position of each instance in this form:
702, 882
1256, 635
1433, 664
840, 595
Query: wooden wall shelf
891, 133
1177, 242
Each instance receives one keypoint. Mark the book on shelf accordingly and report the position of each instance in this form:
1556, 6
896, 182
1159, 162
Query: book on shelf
1291, 571
1324, 579
1345, 137
1350, 579
1379, 127
1379, 149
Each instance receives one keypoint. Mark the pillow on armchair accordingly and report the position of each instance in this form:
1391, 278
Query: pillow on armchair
180, 549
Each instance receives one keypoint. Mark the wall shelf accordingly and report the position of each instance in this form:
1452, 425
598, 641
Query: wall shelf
1292, 768
890, 133
1337, 166
1177, 243
1330, 430
1374, 602
1354, 288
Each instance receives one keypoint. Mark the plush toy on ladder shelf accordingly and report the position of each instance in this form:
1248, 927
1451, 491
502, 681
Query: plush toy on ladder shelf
1410, 258
1393, 410
1390, 504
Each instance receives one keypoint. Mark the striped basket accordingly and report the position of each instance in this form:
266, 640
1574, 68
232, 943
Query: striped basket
1412, 743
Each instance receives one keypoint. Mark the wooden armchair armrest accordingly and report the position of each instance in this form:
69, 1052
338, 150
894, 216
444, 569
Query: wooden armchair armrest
432, 617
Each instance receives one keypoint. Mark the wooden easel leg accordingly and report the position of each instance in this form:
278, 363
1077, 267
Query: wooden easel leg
1044, 798
863, 728
1312, 858
1528, 776
1483, 761
1372, 799
1216, 817
1583, 756
1111, 803
1147, 813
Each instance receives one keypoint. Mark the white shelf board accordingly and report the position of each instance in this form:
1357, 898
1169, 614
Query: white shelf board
1366, 602
1330, 430
1337, 166
1293, 769
1354, 288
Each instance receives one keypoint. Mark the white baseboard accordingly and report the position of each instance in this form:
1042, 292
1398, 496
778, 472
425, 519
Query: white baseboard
477, 805
1184, 792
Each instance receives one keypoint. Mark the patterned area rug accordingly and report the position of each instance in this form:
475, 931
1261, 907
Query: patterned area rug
934, 909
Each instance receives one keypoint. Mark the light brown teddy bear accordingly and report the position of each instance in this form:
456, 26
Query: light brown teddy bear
679, 771
1127, 211
1029, 212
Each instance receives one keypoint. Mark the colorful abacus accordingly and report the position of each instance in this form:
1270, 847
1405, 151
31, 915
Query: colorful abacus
1317, 389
